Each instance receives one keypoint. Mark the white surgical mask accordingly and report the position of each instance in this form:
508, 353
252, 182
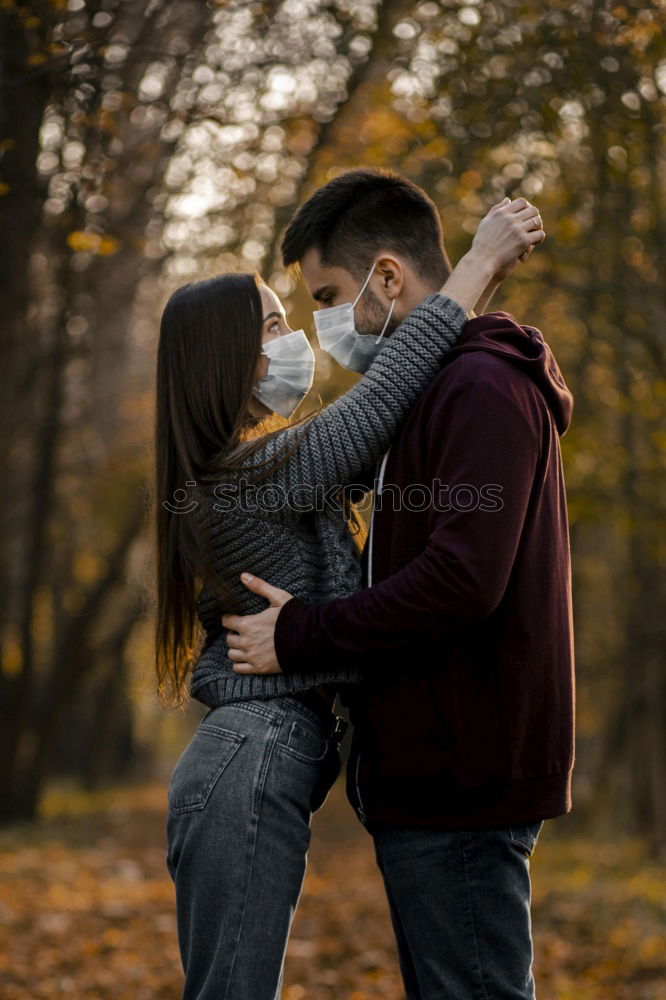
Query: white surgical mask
337, 334
291, 364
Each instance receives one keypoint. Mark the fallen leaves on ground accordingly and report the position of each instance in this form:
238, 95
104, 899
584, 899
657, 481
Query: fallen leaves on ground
87, 910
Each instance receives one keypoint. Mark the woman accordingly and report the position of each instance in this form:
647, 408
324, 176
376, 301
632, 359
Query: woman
265, 756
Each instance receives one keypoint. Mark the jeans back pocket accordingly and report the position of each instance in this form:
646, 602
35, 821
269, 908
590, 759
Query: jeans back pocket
305, 742
199, 767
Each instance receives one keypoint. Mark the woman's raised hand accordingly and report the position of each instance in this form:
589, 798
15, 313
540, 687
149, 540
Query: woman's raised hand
507, 234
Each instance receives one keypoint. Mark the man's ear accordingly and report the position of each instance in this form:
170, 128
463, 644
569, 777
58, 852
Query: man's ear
391, 275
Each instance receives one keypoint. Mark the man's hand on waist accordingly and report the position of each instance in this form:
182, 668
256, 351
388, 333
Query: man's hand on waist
251, 638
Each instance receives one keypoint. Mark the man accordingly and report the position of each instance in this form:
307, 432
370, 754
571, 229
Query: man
463, 731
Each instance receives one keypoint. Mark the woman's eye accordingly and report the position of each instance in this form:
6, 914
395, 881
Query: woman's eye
274, 327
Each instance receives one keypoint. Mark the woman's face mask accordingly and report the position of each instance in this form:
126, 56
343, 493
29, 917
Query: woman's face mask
291, 364
337, 334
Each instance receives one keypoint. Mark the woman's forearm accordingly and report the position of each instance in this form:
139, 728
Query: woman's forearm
469, 280
487, 294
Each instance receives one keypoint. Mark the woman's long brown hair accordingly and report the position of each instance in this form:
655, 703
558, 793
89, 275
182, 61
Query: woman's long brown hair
207, 358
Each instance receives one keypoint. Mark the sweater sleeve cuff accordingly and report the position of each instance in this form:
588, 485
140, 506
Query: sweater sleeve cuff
443, 305
295, 638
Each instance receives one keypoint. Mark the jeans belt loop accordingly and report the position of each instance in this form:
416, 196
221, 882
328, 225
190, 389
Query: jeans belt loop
339, 729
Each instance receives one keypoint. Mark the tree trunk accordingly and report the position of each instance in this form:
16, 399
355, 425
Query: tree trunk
21, 782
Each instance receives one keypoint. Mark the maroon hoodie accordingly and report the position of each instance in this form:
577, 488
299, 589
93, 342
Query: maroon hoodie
466, 715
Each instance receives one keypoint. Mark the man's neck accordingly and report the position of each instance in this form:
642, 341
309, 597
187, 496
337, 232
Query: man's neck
413, 295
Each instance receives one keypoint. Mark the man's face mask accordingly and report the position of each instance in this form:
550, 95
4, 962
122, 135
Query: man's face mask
337, 334
291, 364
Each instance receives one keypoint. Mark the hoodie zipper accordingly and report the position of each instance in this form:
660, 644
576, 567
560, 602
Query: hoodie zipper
361, 810
380, 484
371, 535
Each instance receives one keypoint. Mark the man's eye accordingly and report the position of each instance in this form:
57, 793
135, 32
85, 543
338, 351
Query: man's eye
326, 299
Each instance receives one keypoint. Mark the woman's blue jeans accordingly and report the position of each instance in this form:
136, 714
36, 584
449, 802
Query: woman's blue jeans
240, 800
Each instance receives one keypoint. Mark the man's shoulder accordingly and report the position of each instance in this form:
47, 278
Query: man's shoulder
469, 367
479, 380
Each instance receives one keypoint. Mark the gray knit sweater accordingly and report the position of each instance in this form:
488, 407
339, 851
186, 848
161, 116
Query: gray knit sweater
283, 530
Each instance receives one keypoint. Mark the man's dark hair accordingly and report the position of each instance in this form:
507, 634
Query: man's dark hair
362, 212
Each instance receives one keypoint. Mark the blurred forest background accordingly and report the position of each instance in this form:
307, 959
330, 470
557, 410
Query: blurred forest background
145, 142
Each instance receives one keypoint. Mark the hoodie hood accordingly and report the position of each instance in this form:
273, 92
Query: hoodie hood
524, 346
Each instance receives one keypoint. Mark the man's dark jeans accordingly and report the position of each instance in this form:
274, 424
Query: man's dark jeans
460, 906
